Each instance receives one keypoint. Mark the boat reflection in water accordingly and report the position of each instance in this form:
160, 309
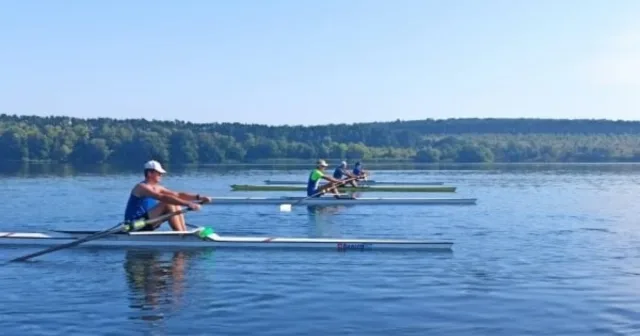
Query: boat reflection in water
156, 281
321, 220
322, 223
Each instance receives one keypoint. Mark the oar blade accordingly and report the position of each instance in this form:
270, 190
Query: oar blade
285, 207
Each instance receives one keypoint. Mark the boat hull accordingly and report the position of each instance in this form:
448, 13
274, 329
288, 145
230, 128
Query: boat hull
328, 200
190, 239
368, 182
248, 187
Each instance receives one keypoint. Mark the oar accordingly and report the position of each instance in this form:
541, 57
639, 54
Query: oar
287, 207
364, 178
122, 227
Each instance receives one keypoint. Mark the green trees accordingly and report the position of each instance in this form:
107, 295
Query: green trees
103, 140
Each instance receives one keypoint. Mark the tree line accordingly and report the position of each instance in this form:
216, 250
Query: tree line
105, 140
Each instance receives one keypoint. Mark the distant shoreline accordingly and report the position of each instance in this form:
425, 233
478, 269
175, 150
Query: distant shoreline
332, 162
420, 142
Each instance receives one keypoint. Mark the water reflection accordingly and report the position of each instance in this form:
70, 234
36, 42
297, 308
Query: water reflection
156, 283
321, 220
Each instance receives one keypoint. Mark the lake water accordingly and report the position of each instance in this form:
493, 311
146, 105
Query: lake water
546, 251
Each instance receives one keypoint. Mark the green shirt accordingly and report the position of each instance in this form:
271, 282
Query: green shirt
314, 181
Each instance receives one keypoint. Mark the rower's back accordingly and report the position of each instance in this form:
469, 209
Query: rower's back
338, 173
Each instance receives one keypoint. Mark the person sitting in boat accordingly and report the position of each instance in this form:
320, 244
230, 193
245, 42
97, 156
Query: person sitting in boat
341, 171
148, 200
358, 171
313, 184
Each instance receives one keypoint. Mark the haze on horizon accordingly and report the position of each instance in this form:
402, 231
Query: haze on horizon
303, 62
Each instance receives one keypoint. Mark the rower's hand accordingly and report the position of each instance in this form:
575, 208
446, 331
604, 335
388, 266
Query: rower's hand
194, 206
205, 199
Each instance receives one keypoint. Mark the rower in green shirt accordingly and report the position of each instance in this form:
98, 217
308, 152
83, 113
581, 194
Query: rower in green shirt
313, 184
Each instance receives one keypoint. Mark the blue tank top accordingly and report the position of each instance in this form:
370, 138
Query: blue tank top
356, 170
137, 207
338, 173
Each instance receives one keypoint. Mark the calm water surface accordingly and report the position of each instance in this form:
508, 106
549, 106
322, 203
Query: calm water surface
544, 252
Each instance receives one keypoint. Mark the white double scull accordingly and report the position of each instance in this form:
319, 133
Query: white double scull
203, 238
330, 200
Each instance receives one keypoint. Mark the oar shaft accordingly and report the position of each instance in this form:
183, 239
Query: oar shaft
160, 219
321, 192
287, 207
60, 247
122, 227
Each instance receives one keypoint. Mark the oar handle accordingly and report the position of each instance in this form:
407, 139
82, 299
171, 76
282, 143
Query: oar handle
140, 224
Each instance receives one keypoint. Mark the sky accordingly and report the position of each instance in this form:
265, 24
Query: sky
302, 62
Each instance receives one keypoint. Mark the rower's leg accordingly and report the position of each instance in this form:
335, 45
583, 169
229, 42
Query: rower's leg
329, 187
334, 190
176, 222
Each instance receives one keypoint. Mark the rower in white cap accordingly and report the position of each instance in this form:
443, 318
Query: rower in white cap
341, 171
148, 199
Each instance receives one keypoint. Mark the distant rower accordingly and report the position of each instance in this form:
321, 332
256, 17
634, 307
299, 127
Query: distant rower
313, 184
341, 171
148, 199
358, 171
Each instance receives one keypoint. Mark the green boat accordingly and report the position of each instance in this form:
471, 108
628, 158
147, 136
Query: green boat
251, 187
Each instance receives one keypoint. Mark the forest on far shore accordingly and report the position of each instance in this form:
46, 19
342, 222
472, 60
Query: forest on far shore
104, 140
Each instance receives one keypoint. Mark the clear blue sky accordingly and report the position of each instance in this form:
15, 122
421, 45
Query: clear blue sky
316, 62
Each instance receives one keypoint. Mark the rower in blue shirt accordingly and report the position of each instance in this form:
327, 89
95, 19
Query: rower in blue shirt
148, 200
341, 171
358, 171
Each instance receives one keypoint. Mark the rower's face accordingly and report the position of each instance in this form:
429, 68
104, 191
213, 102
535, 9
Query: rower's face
155, 176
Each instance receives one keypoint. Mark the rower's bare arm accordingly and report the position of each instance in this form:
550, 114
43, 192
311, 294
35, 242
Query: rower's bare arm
195, 197
330, 178
162, 195
164, 190
188, 196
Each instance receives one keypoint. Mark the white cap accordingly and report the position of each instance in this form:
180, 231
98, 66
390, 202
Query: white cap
343, 163
322, 163
154, 165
